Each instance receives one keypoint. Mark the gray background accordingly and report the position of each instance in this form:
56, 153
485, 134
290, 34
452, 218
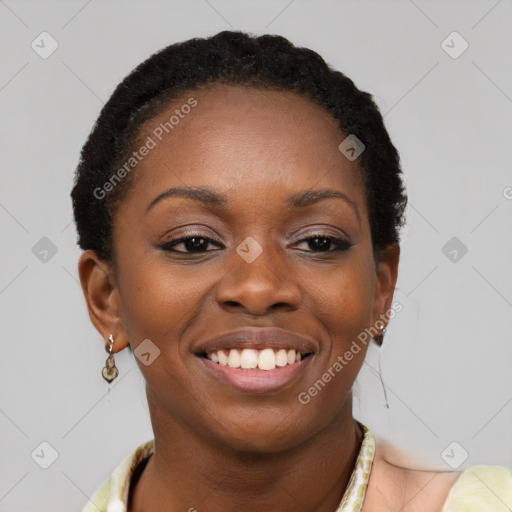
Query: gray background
447, 356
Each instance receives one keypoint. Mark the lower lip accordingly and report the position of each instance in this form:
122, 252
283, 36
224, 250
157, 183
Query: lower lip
257, 381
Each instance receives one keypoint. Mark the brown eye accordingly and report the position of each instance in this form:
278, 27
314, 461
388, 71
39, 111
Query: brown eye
192, 244
324, 243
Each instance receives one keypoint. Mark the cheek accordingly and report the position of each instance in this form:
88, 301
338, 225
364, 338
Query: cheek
151, 290
344, 307
343, 303
159, 302
343, 295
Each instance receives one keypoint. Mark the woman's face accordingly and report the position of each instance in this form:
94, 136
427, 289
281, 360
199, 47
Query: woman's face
247, 264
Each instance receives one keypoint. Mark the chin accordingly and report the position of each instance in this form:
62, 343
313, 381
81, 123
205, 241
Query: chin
279, 434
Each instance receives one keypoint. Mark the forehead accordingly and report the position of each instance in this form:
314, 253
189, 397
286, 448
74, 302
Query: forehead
245, 140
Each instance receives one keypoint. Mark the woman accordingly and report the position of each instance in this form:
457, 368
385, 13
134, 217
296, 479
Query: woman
239, 205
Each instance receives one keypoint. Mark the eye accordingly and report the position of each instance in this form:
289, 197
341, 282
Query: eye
322, 243
192, 243
198, 243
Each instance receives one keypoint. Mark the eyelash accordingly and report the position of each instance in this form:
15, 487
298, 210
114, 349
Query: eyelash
340, 244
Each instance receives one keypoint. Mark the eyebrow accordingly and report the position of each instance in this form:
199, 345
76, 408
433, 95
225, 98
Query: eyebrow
211, 198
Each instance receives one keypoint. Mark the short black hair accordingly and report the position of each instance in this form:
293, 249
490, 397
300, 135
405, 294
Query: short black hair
233, 58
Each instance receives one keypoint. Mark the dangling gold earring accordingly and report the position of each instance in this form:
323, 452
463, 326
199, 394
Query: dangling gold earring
110, 372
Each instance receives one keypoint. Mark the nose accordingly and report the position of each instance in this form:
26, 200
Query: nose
259, 286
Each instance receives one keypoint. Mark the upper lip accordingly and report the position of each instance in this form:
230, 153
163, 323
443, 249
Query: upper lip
259, 338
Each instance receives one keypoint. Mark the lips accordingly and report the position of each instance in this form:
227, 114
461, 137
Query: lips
256, 380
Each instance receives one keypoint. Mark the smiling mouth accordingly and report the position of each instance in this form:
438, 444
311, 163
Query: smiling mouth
265, 359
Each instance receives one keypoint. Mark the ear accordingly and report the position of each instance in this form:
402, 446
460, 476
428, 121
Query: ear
387, 273
102, 297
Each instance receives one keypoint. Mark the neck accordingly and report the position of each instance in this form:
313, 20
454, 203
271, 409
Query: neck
190, 473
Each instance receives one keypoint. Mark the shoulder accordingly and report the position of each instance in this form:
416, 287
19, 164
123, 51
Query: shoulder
113, 492
481, 486
395, 485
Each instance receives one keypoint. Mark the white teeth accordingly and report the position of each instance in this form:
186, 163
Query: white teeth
223, 358
267, 359
281, 358
249, 358
234, 358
